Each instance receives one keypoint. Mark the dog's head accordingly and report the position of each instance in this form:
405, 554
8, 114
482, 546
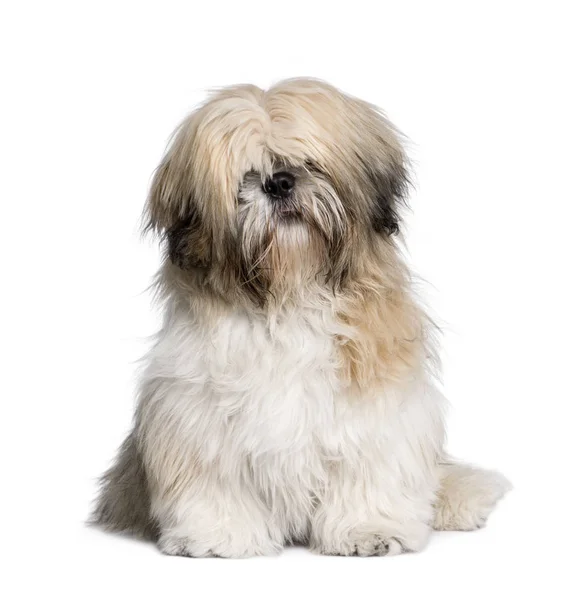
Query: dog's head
264, 188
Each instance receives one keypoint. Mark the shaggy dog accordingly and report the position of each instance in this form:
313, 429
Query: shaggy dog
290, 395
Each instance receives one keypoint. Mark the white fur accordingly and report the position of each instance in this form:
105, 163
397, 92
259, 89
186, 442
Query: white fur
278, 451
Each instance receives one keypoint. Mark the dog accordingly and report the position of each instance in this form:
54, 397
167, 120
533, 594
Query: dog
291, 395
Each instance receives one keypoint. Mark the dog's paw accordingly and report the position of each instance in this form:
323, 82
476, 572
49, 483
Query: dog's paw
181, 546
375, 543
176, 545
368, 544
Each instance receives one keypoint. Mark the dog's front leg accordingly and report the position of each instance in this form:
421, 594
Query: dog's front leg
202, 495
215, 517
358, 516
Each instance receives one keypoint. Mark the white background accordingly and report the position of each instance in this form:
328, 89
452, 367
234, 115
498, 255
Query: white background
91, 92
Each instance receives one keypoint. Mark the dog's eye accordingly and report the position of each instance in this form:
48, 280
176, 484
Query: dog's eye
313, 167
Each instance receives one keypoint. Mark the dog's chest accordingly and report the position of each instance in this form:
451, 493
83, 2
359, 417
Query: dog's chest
266, 403
280, 381
267, 390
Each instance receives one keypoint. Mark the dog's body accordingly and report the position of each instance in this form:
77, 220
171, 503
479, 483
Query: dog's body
290, 394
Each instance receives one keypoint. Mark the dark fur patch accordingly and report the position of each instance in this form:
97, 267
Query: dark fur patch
124, 502
385, 218
391, 189
188, 245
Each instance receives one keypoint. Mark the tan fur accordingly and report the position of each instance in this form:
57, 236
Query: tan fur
390, 331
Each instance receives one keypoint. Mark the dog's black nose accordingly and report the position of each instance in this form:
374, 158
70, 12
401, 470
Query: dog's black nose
280, 185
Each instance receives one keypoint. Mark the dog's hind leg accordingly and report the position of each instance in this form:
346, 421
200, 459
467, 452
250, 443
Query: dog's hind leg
124, 503
466, 497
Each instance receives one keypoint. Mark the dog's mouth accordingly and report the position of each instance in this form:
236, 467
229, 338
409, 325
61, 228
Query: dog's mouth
287, 210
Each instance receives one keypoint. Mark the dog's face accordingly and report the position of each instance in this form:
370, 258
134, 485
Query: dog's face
264, 188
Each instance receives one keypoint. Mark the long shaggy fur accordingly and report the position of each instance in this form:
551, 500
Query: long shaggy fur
290, 394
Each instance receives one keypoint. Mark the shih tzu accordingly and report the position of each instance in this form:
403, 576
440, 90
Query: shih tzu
290, 395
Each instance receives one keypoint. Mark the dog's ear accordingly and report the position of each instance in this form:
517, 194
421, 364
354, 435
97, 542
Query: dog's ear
172, 210
166, 201
384, 166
